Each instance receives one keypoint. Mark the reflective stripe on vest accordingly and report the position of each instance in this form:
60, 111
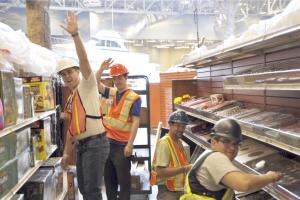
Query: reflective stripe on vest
177, 159
224, 194
76, 114
118, 118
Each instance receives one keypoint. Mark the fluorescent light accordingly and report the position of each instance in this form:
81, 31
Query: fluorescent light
182, 47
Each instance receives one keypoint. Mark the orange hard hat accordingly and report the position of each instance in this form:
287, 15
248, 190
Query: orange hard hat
118, 69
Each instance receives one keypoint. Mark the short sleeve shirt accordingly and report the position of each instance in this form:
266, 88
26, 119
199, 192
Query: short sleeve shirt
213, 169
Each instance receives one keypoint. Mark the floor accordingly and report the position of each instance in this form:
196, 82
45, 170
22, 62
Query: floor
137, 197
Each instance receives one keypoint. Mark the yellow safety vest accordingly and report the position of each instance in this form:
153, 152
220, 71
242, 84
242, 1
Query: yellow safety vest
118, 122
177, 159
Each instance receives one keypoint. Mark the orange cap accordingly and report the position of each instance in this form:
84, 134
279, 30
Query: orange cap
118, 69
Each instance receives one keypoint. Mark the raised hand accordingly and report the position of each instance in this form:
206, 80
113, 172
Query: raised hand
70, 23
106, 63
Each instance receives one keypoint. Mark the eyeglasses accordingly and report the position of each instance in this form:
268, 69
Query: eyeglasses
228, 142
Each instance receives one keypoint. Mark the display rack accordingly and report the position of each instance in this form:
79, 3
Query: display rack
278, 80
278, 40
255, 131
273, 189
26, 176
26, 122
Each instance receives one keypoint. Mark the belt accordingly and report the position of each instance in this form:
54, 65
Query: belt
84, 140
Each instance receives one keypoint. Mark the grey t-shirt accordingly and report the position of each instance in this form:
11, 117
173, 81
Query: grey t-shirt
213, 169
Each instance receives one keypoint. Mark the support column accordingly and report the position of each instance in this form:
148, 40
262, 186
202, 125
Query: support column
38, 22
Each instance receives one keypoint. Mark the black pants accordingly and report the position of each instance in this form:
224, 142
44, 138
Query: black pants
117, 172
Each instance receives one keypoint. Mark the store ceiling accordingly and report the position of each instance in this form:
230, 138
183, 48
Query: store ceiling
166, 21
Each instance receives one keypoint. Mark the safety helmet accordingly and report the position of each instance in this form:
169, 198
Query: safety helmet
65, 63
179, 117
228, 128
118, 69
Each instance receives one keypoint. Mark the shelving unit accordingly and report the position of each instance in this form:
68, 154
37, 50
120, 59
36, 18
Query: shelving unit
274, 189
279, 40
28, 174
26, 122
278, 80
246, 73
31, 171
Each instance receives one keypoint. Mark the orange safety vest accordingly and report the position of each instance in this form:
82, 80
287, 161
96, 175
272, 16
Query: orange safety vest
177, 159
76, 114
118, 121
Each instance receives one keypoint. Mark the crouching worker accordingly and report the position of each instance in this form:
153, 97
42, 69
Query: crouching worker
170, 164
214, 176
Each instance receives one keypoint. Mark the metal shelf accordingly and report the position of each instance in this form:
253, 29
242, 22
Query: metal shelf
259, 81
27, 175
245, 130
282, 39
269, 189
26, 122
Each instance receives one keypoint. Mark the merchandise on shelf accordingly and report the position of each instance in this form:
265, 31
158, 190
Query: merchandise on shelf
28, 100
23, 162
8, 177
54, 165
23, 137
8, 96
19, 98
39, 186
42, 130
18, 197
43, 92
7, 148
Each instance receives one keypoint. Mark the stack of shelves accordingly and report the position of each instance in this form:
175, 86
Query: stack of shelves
262, 73
38, 163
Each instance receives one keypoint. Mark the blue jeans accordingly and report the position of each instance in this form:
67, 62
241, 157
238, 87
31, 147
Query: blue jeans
91, 158
117, 172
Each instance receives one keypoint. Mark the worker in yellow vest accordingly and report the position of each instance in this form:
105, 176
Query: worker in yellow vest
214, 176
85, 119
121, 122
170, 165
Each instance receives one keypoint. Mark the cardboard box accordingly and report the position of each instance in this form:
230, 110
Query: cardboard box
7, 148
38, 187
43, 92
135, 183
8, 97
42, 130
8, 177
